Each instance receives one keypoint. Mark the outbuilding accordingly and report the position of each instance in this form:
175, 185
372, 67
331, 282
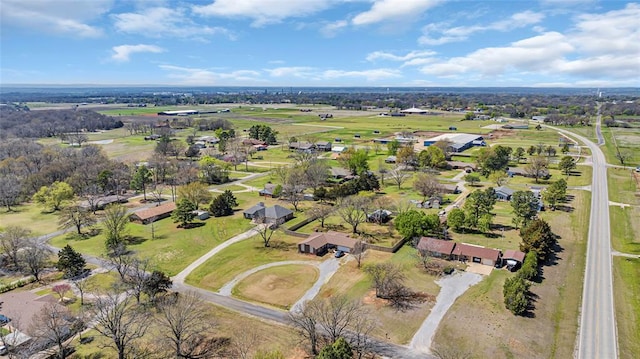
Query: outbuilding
153, 214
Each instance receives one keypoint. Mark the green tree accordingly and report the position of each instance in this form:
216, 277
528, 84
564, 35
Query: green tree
184, 212
529, 269
472, 178
223, 204
141, 178
406, 156
556, 192
157, 282
537, 236
392, 147
340, 349
456, 219
566, 165
54, 196
115, 223
531, 150
565, 148
491, 159
412, 223
195, 192
518, 154
478, 204
485, 222
355, 160
525, 207
70, 262
213, 171
515, 295
432, 156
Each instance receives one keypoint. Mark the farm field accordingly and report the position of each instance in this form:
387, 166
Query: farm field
626, 272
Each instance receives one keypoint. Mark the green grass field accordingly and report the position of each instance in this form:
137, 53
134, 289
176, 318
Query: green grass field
174, 248
626, 279
625, 227
31, 216
622, 186
243, 256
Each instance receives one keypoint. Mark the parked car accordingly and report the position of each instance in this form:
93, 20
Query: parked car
339, 254
3, 350
4, 320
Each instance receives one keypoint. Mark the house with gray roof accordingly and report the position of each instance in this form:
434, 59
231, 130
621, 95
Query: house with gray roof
504, 193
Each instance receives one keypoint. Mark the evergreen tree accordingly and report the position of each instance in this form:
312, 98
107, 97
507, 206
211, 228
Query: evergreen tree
524, 205
156, 283
223, 204
141, 179
184, 212
566, 165
70, 262
537, 236
515, 295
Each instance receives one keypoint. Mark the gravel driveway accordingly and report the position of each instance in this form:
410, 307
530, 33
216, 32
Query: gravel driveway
452, 287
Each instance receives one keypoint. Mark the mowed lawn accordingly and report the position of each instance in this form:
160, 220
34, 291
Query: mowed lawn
173, 248
479, 324
30, 216
626, 281
625, 229
279, 286
623, 187
392, 325
245, 255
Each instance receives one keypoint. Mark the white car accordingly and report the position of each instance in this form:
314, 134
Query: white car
3, 350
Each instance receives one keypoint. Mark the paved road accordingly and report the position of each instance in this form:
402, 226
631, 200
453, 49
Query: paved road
597, 336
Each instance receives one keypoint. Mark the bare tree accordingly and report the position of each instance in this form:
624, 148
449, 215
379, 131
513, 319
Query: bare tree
353, 210
398, 177
188, 332
361, 327
76, 216
321, 212
358, 252
336, 314
121, 262
427, 185
135, 277
266, 230
122, 322
54, 324
82, 285
10, 190
305, 321
294, 186
537, 167
12, 240
244, 342
34, 257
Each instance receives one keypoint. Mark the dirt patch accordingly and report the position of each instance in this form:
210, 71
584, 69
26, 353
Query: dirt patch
280, 286
497, 134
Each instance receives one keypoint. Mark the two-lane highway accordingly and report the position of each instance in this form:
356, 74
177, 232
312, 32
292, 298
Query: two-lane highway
597, 336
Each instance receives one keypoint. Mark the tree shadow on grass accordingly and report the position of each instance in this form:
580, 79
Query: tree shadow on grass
192, 225
531, 307
136, 240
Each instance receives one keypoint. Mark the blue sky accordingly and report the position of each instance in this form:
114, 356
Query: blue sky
550, 43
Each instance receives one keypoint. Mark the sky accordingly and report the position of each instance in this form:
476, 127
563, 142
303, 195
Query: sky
535, 43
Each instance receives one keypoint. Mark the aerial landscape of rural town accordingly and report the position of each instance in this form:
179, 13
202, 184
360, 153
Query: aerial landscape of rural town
175, 182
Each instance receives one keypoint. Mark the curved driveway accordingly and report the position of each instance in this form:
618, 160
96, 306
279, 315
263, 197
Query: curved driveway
227, 288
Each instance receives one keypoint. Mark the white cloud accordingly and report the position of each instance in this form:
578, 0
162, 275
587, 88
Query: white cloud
597, 49
262, 12
382, 55
331, 29
163, 21
65, 17
293, 71
367, 75
198, 76
439, 33
394, 10
122, 53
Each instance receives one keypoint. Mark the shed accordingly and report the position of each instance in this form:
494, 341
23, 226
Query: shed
153, 214
201, 215
268, 190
